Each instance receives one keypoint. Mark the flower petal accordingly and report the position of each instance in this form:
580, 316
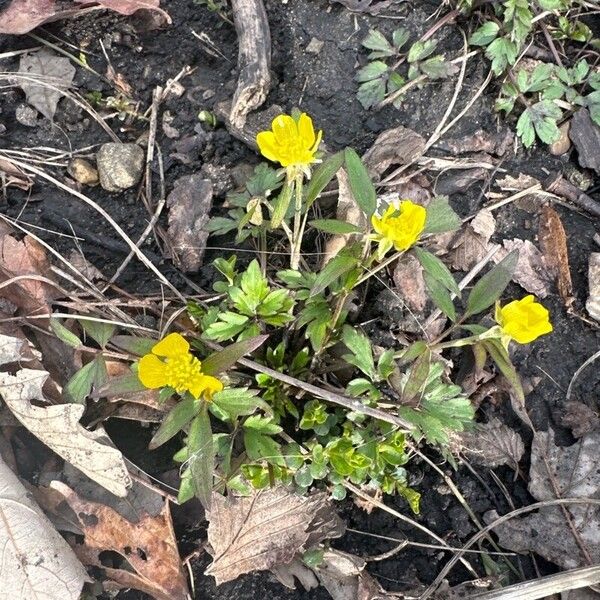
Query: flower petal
267, 145
205, 386
152, 372
285, 130
306, 131
172, 345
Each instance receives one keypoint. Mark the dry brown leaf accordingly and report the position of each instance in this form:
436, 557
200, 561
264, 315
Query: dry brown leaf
347, 210
148, 545
531, 273
580, 418
531, 203
189, 203
11, 175
20, 259
396, 146
58, 427
410, 283
473, 243
496, 142
264, 530
559, 472
493, 444
553, 241
372, 7
55, 73
85, 267
36, 560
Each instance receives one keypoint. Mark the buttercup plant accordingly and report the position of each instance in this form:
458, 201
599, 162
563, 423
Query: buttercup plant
275, 419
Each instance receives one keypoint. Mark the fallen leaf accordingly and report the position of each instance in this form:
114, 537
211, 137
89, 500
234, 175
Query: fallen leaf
396, 146
372, 7
339, 573
58, 427
553, 241
559, 472
264, 530
580, 418
287, 573
348, 211
189, 204
593, 302
531, 203
11, 175
36, 560
410, 283
459, 181
497, 142
147, 544
531, 273
85, 267
585, 134
472, 244
55, 73
21, 16
493, 444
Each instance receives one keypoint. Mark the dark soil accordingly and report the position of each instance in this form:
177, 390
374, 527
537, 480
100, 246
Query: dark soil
322, 85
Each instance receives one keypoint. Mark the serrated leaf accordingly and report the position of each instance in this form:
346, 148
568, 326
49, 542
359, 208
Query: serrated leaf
332, 271
400, 37
179, 416
490, 287
420, 50
322, 176
372, 70
334, 226
361, 185
436, 67
503, 53
238, 402
220, 361
362, 352
485, 34
375, 40
262, 447
371, 93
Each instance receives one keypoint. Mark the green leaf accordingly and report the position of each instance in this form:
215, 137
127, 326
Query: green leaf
436, 269
490, 287
500, 357
322, 175
361, 185
281, 205
502, 52
436, 67
441, 217
400, 37
237, 402
134, 345
262, 424
420, 50
201, 456
179, 416
100, 332
78, 388
259, 446
417, 378
220, 361
440, 296
376, 41
485, 34
64, 334
333, 270
372, 70
121, 386
362, 352
229, 325
525, 129
371, 93
335, 226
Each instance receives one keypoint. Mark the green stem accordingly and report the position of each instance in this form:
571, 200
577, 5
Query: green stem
298, 229
379, 267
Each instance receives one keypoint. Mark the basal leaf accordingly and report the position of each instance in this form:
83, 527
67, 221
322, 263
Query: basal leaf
361, 185
334, 226
201, 456
220, 361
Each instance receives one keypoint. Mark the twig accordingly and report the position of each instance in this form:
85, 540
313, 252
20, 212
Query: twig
556, 184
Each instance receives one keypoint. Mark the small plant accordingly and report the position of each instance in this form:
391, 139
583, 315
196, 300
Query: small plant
276, 419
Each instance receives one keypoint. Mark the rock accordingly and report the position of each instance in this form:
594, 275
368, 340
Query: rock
585, 134
315, 46
563, 143
83, 171
593, 303
120, 166
26, 115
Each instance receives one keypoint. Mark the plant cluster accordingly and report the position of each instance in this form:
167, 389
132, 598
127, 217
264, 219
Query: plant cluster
318, 403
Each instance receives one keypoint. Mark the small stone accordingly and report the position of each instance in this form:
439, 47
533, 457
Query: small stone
120, 166
593, 303
83, 171
563, 143
315, 46
26, 115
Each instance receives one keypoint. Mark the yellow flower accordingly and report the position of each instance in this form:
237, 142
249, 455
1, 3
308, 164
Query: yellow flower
180, 369
523, 320
400, 225
291, 143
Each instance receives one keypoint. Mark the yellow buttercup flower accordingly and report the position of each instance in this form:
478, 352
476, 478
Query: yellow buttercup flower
523, 320
172, 364
400, 225
292, 143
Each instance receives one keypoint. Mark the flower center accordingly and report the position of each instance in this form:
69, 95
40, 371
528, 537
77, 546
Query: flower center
181, 370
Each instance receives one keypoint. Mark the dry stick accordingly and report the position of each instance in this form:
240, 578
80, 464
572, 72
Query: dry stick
254, 58
140, 255
545, 587
481, 534
400, 516
555, 184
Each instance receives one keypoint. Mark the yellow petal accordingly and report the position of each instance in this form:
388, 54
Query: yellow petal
205, 386
317, 142
285, 130
172, 345
267, 145
152, 372
306, 131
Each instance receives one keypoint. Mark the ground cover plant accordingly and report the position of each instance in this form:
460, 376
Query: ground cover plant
263, 334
